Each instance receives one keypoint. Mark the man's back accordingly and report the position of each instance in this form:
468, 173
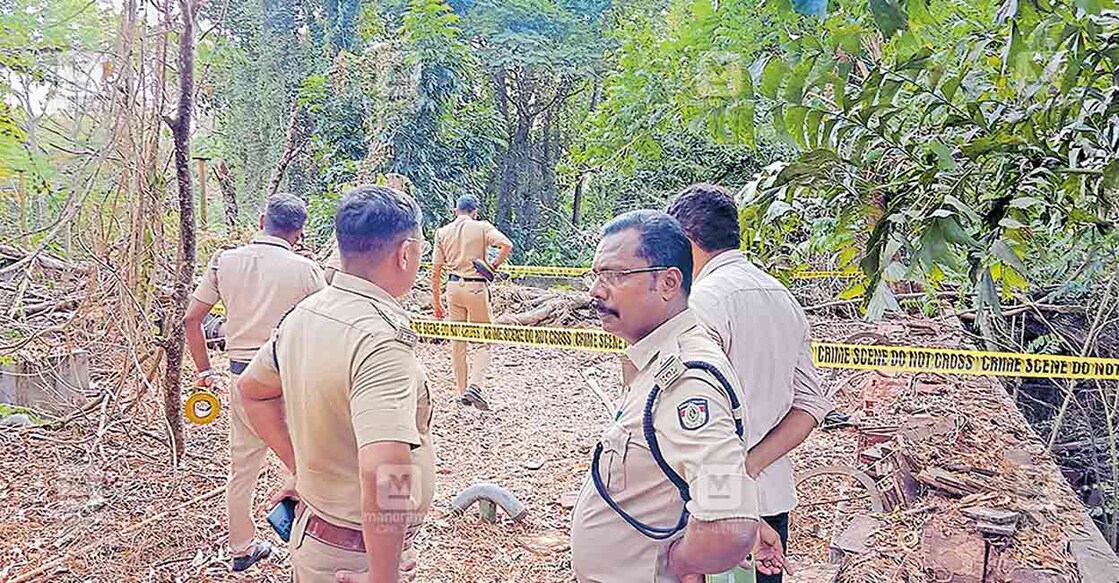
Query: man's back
332, 350
258, 283
463, 240
765, 335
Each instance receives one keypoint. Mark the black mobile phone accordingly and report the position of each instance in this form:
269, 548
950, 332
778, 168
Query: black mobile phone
282, 517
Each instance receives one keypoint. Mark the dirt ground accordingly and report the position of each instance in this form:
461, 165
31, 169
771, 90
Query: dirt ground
62, 490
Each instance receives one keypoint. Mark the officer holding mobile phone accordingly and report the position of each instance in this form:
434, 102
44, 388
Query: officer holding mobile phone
339, 394
257, 283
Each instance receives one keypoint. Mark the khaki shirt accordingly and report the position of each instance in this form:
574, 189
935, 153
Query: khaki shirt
695, 429
765, 335
345, 358
334, 260
462, 241
258, 283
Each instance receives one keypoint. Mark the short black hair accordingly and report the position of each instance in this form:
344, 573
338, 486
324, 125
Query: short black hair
663, 243
284, 214
467, 203
709, 217
372, 219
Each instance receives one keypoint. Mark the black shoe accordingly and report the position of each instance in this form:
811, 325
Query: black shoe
473, 396
261, 551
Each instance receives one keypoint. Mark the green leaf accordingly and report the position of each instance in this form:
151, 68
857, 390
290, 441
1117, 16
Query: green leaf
780, 131
855, 290
1025, 202
1111, 176
772, 75
887, 91
1006, 254
812, 128
1089, 6
839, 85
776, 210
888, 16
943, 154
794, 122
918, 11
742, 124
1007, 11
794, 88
1010, 223
952, 85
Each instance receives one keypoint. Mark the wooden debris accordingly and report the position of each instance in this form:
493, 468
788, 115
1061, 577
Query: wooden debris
949, 482
855, 538
991, 515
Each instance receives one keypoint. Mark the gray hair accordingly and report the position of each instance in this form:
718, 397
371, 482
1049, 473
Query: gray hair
467, 203
284, 214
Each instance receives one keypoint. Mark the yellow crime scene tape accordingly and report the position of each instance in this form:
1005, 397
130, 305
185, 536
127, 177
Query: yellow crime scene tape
962, 362
543, 270
826, 275
559, 271
824, 354
583, 339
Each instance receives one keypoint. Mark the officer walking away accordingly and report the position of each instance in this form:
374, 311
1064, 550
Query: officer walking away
461, 247
668, 497
340, 396
257, 283
765, 335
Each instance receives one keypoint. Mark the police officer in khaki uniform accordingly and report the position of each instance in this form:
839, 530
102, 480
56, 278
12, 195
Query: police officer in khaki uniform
340, 396
257, 283
458, 246
668, 497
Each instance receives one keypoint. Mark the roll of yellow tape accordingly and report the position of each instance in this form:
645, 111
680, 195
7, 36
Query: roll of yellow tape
202, 407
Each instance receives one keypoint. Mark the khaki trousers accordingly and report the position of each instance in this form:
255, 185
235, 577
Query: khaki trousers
247, 456
469, 301
313, 561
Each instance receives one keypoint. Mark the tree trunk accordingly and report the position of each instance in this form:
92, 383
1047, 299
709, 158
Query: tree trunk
577, 201
293, 145
180, 131
228, 194
203, 214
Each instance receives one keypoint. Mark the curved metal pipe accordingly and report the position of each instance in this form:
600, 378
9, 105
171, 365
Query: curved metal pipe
494, 493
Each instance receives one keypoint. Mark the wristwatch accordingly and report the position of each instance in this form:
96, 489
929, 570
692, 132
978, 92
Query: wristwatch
205, 374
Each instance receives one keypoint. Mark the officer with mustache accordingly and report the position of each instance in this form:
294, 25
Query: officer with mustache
667, 497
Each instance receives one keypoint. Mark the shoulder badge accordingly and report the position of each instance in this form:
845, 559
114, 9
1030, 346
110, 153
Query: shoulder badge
406, 336
671, 369
693, 413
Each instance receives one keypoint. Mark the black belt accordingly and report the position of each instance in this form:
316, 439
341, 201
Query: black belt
453, 277
237, 366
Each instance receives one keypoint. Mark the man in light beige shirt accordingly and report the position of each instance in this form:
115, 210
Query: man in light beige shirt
764, 333
340, 396
667, 497
257, 283
457, 246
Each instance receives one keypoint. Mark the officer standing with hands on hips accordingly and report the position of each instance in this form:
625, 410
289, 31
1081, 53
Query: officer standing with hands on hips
668, 497
765, 335
461, 246
339, 394
257, 283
